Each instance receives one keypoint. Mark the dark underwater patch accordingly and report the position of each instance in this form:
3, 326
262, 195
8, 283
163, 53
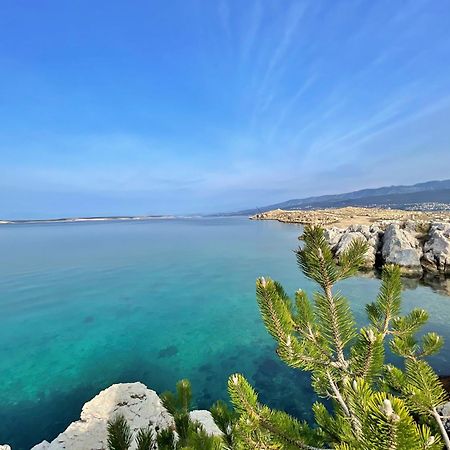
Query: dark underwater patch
168, 352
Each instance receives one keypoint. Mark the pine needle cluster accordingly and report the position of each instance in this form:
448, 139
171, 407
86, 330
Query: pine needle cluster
371, 405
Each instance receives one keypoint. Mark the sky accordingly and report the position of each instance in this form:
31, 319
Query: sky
155, 107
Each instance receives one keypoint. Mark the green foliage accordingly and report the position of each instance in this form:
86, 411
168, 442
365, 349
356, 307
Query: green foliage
186, 434
194, 437
373, 405
225, 418
119, 433
144, 439
260, 424
179, 402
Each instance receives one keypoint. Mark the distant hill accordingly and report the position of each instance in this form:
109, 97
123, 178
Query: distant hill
433, 195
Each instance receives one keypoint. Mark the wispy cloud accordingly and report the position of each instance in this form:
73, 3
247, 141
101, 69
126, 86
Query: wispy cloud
293, 17
289, 105
230, 103
274, 58
250, 33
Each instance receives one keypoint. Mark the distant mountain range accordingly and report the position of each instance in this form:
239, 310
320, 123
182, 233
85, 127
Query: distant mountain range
432, 195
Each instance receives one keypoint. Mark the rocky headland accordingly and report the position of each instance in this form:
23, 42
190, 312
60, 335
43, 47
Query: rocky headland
344, 217
417, 241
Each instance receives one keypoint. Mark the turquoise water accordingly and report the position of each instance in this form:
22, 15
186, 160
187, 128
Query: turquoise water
86, 305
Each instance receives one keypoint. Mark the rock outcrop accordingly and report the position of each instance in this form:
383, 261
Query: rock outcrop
401, 247
340, 239
436, 250
418, 241
141, 407
351, 215
417, 248
205, 418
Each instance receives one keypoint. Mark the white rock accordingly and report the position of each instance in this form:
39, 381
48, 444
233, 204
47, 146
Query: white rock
141, 407
403, 248
333, 235
436, 255
205, 418
5, 447
44, 445
349, 236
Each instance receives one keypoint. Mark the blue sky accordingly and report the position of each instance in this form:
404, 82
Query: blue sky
135, 107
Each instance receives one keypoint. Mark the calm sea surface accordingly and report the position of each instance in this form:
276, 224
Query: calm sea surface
86, 305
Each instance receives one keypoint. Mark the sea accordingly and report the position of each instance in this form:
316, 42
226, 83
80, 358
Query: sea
86, 305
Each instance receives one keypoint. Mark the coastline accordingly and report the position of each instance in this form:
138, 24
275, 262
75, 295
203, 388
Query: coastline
351, 215
91, 219
417, 241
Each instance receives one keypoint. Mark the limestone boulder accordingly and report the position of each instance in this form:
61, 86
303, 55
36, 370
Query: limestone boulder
205, 418
333, 235
436, 250
141, 407
44, 445
350, 235
401, 247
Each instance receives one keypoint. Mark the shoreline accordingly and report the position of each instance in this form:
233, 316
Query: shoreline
417, 241
92, 219
350, 215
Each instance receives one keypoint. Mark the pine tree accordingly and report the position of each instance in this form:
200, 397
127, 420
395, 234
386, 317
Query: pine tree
373, 405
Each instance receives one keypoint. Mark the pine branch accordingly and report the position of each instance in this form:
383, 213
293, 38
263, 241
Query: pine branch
282, 426
367, 354
144, 439
316, 259
387, 305
352, 259
119, 433
336, 322
274, 310
337, 394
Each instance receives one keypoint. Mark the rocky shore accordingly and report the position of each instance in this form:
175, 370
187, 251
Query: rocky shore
416, 247
419, 242
344, 217
141, 407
